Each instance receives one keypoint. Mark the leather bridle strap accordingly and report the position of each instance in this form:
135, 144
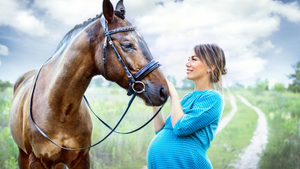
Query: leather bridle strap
40, 130
133, 79
113, 129
107, 37
148, 68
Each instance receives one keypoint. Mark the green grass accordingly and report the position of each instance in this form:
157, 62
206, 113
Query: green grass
129, 151
227, 106
9, 151
283, 115
121, 151
236, 136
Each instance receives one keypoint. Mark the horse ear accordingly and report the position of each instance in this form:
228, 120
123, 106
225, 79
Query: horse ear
120, 9
108, 10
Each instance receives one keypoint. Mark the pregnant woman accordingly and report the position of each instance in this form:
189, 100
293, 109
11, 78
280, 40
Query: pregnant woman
182, 139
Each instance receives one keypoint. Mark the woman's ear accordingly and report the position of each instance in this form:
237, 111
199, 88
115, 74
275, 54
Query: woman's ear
209, 70
213, 67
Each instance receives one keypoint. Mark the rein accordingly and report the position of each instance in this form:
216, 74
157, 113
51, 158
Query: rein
133, 79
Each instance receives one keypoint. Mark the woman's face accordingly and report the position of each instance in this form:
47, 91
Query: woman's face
196, 69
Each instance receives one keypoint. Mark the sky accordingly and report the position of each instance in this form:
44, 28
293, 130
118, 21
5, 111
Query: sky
260, 38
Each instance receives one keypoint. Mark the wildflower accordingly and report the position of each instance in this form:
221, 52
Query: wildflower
271, 115
288, 116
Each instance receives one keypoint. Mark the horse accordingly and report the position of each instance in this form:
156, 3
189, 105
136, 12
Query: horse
57, 103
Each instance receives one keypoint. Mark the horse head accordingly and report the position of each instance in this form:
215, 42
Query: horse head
135, 54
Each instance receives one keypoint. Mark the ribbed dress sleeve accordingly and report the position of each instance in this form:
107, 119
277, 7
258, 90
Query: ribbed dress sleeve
205, 110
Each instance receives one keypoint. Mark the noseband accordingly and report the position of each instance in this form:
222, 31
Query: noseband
137, 77
133, 79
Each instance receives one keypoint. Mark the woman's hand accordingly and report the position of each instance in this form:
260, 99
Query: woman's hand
172, 90
159, 121
176, 110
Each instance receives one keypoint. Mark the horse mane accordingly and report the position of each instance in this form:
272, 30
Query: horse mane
75, 30
79, 27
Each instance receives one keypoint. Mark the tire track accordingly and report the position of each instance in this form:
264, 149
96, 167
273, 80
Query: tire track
250, 158
229, 116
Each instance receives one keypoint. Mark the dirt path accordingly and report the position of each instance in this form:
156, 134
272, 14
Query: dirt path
229, 116
250, 158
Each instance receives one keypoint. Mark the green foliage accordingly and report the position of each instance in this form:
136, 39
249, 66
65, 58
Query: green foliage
259, 86
97, 82
283, 115
4, 85
279, 87
295, 86
231, 141
237, 86
172, 79
5, 101
129, 151
187, 84
119, 151
8, 148
11, 164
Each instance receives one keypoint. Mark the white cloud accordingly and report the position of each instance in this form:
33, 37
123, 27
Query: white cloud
3, 50
13, 15
239, 27
290, 11
272, 82
70, 12
277, 51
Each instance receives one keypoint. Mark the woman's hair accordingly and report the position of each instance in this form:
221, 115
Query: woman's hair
213, 56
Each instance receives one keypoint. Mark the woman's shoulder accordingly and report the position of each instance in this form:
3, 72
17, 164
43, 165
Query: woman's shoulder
209, 96
198, 95
207, 93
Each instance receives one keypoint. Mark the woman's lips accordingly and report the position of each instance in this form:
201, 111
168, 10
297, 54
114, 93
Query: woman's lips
188, 71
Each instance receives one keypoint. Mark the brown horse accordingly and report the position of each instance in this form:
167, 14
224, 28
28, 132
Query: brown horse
57, 105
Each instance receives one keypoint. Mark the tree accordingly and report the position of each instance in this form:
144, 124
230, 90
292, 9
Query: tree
172, 79
279, 87
295, 86
260, 86
97, 82
4, 85
237, 86
187, 84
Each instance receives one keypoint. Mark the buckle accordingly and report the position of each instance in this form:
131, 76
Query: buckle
139, 91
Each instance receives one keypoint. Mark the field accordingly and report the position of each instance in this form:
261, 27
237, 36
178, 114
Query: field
129, 151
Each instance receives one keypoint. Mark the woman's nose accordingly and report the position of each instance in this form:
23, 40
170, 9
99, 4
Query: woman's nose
188, 64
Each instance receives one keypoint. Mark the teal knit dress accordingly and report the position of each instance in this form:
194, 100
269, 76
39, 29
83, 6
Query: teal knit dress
185, 145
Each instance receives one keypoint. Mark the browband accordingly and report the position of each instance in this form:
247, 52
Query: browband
143, 72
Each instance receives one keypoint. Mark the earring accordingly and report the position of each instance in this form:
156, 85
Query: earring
207, 72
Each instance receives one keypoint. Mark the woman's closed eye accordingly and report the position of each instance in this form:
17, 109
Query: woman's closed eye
193, 58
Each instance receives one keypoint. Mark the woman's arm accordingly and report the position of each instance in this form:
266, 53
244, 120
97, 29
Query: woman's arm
159, 121
176, 110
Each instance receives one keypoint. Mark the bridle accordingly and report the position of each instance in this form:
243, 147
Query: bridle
133, 79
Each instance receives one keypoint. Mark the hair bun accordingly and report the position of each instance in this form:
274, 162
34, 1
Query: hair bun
224, 72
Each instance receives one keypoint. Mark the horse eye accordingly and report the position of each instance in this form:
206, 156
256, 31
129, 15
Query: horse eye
127, 46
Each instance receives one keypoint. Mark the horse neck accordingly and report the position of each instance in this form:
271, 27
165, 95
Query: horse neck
73, 69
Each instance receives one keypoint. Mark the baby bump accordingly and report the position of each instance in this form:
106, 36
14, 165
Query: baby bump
166, 149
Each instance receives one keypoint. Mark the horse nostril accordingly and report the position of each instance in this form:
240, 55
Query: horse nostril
163, 94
